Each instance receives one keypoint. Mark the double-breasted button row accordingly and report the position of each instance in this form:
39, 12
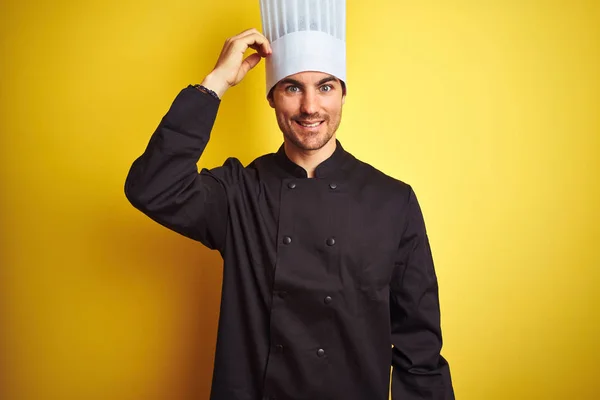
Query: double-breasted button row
330, 241
292, 185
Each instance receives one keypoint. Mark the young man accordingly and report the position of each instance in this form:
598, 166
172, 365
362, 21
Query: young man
326, 260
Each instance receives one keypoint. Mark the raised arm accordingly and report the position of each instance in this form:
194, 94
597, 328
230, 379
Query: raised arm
164, 182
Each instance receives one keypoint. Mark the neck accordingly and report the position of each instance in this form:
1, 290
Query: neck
309, 159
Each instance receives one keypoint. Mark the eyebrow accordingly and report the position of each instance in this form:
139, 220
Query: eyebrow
297, 83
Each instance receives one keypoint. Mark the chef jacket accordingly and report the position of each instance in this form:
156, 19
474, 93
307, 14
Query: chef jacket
327, 282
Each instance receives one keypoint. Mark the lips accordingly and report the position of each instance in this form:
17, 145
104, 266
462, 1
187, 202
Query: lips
309, 124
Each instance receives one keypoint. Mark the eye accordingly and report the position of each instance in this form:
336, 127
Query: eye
326, 88
292, 89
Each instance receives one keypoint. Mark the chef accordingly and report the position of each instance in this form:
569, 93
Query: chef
328, 279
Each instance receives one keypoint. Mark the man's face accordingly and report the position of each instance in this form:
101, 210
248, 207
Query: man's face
308, 106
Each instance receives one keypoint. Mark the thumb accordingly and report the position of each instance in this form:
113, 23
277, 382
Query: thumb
250, 62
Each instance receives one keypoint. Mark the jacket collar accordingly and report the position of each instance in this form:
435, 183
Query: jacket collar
334, 166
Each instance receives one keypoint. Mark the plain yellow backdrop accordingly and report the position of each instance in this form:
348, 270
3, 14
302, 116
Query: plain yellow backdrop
490, 109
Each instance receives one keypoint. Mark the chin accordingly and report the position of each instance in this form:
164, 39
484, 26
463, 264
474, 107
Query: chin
314, 142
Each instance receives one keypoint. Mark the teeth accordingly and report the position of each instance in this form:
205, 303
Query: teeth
310, 125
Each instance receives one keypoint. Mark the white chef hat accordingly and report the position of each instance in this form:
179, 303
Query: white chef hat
305, 35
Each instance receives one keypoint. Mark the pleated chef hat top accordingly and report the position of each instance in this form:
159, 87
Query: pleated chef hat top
305, 35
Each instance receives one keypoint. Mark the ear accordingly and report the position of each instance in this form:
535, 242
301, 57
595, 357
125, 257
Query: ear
343, 99
270, 96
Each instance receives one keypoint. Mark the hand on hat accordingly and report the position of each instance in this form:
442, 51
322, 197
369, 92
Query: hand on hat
231, 66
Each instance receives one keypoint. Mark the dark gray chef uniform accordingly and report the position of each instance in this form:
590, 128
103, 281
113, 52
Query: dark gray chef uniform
327, 282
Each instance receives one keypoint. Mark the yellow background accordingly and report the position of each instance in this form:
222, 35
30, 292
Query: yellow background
490, 109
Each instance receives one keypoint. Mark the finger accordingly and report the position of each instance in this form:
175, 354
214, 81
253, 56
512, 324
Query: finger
236, 38
259, 43
256, 41
250, 62
248, 32
263, 49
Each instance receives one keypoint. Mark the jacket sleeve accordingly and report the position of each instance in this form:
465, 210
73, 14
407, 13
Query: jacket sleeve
164, 182
419, 370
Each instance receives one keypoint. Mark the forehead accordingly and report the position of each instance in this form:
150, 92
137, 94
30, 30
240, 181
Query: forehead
310, 77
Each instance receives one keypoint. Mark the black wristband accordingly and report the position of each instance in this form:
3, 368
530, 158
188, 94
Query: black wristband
206, 90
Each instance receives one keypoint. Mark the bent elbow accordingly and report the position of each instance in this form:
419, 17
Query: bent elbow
135, 194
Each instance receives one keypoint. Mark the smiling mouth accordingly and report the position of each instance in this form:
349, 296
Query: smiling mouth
307, 124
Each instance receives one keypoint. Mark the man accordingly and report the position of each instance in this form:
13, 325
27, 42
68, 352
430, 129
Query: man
326, 260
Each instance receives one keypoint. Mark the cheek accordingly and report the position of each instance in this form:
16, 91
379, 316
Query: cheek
334, 112
286, 112
333, 105
286, 116
283, 119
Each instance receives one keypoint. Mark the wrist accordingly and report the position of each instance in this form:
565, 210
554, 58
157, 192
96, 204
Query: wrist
207, 91
215, 84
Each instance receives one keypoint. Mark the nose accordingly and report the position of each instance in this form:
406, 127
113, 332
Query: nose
309, 103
